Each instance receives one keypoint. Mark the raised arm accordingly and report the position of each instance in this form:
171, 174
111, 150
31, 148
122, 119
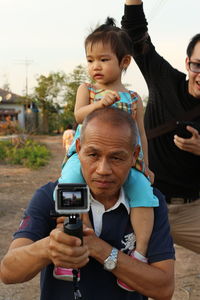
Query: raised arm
134, 22
133, 2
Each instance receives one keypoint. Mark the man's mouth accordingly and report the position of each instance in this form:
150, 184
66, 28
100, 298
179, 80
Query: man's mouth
102, 183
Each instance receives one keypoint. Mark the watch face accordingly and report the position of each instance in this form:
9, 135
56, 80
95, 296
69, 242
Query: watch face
110, 264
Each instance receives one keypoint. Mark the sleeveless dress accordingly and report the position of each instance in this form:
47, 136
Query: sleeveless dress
137, 187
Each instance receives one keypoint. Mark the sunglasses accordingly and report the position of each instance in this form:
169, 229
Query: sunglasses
194, 67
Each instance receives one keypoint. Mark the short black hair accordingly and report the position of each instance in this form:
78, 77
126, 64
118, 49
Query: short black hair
194, 40
114, 116
109, 33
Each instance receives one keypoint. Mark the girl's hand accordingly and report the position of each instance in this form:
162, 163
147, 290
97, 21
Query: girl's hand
110, 98
150, 174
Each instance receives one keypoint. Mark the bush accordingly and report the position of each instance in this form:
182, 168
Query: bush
24, 152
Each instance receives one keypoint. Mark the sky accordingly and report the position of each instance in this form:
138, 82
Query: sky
42, 36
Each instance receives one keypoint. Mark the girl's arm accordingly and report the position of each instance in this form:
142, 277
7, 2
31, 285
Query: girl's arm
83, 106
144, 142
140, 123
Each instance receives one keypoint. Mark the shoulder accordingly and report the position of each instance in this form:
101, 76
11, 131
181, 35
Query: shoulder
134, 95
83, 86
42, 199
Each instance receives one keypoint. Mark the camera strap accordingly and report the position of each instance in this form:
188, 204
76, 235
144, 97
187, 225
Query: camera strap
171, 125
76, 291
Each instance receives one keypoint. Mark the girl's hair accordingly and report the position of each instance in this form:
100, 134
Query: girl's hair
192, 44
109, 33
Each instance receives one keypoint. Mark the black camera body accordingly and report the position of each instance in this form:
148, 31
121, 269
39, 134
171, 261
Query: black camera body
71, 198
182, 131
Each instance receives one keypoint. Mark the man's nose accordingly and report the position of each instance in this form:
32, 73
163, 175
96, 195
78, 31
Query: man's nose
103, 167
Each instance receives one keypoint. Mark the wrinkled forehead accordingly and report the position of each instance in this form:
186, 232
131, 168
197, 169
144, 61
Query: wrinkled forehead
107, 134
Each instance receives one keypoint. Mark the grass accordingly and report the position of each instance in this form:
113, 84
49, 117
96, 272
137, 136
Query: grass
26, 152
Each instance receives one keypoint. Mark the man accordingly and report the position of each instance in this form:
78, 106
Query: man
106, 160
174, 160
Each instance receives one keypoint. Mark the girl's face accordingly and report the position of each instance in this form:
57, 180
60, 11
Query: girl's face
103, 65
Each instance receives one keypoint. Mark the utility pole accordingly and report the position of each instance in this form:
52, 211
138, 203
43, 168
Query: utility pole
26, 62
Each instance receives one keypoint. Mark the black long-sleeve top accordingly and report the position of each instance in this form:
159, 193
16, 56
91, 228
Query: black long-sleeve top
176, 171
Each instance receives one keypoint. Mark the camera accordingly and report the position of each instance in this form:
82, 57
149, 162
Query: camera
71, 198
182, 131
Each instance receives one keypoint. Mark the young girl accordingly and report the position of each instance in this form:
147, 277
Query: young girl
108, 53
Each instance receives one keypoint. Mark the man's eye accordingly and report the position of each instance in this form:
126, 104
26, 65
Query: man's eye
92, 154
116, 158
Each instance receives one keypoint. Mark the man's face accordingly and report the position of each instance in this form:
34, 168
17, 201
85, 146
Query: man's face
194, 78
106, 156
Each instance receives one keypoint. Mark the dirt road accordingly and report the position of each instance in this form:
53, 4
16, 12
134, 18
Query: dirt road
17, 184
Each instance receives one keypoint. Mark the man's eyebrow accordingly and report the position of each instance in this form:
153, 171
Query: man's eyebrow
91, 148
120, 152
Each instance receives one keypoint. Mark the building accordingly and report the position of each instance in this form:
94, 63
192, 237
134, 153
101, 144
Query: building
12, 107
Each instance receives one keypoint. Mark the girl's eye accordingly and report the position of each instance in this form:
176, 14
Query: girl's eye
104, 59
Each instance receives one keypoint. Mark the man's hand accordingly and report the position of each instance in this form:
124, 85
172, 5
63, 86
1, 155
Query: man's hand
192, 144
66, 251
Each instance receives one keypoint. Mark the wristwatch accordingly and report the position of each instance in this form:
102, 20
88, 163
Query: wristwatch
110, 262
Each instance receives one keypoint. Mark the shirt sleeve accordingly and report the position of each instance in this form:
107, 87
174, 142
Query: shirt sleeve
37, 222
161, 243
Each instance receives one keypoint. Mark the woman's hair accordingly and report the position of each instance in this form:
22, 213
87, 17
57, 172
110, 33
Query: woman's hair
109, 33
192, 44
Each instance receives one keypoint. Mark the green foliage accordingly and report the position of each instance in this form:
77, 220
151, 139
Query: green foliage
27, 153
55, 96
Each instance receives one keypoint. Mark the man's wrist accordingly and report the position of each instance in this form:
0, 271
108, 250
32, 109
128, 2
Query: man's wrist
133, 2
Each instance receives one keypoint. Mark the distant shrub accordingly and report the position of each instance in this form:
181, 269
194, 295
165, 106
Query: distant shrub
9, 127
24, 152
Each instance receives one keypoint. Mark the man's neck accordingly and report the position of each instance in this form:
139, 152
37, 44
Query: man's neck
107, 201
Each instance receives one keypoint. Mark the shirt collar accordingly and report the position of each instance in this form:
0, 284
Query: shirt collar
121, 200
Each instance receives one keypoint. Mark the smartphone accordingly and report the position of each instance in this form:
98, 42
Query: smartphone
181, 130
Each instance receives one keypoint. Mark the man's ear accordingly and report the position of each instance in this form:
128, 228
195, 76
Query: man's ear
187, 63
136, 153
78, 145
126, 60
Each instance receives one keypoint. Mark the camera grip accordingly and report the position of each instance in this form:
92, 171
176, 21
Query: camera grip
74, 226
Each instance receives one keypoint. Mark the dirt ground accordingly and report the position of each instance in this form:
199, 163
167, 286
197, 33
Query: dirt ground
17, 184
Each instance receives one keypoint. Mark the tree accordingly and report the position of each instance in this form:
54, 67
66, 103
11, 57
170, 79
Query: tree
74, 79
48, 95
57, 92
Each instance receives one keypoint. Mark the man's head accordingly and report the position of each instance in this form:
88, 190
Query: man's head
106, 151
193, 66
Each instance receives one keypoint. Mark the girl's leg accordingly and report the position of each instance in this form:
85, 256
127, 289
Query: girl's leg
142, 219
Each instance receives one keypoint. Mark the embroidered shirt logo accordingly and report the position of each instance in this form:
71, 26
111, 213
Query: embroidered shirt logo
129, 242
